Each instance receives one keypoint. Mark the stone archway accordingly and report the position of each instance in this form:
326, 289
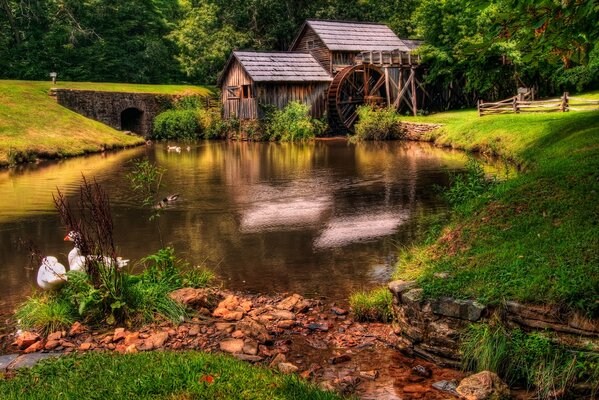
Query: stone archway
132, 119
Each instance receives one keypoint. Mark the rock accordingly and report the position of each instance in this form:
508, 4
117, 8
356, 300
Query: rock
412, 296
119, 333
464, 309
55, 336
37, 346
340, 359
85, 346
66, 343
369, 375
194, 330
422, 370
415, 389
290, 302
248, 357
318, 327
26, 339
219, 312
232, 315
399, 286
232, 345
338, 311
287, 368
29, 360
131, 349
52, 344
254, 329
327, 386
279, 358
230, 302
77, 328
158, 339
286, 324
250, 348
237, 334
246, 306
131, 338
224, 326
282, 315
5, 361
485, 385
446, 386
191, 297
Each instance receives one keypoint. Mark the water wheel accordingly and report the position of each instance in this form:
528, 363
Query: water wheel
352, 87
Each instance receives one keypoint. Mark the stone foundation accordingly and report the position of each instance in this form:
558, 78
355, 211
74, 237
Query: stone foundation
416, 131
432, 329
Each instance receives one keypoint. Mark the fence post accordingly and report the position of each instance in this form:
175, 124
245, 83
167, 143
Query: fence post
515, 104
478, 107
565, 100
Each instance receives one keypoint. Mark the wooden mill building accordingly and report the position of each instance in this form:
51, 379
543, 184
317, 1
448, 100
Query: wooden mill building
334, 66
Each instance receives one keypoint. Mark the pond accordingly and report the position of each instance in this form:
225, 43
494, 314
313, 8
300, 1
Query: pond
320, 219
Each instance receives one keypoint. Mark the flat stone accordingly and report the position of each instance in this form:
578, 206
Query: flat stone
369, 375
85, 346
399, 286
250, 348
158, 339
412, 296
37, 346
131, 338
29, 360
464, 309
340, 359
485, 385
6, 360
194, 330
318, 327
339, 311
55, 336
233, 315
248, 357
423, 371
232, 345
26, 339
191, 297
290, 302
446, 386
286, 324
287, 368
282, 315
77, 328
279, 358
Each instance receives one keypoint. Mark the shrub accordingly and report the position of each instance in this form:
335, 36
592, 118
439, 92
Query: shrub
46, 312
293, 123
372, 306
176, 124
377, 124
469, 185
190, 103
211, 124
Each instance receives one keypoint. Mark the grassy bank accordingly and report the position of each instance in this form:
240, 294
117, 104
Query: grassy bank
533, 238
156, 375
33, 125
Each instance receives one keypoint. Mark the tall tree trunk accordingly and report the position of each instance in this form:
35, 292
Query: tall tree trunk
11, 20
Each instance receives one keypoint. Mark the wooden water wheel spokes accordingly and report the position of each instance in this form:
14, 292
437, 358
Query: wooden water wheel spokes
351, 88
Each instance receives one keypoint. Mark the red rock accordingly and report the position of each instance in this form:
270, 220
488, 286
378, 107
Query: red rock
340, 359
52, 344
287, 368
338, 311
26, 339
37, 346
107, 339
233, 316
158, 339
290, 302
191, 297
66, 343
55, 336
131, 349
232, 345
237, 334
286, 324
250, 348
246, 305
279, 358
194, 330
119, 333
77, 328
415, 389
85, 346
131, 338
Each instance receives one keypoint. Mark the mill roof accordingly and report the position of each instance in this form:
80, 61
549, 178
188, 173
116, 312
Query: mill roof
355, 36
280, 66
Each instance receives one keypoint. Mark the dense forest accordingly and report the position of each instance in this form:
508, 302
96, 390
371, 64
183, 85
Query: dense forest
484, 45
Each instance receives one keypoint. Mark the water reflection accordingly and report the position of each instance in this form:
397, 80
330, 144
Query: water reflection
320, 218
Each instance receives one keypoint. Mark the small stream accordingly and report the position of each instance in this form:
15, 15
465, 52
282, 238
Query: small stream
321, 219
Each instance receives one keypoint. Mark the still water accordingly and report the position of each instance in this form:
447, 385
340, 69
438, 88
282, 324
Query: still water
320, 219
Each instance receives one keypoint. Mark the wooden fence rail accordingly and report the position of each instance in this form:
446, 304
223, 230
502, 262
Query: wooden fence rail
515, 105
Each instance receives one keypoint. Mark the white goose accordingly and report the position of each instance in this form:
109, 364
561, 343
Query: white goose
77, 260
51, 274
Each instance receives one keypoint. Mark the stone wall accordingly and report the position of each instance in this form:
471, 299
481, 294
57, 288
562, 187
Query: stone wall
111, 108
432, 329
416, 131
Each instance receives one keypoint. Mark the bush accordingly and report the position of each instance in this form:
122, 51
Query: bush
46, 312
377, 124
291, 124
529, 358
372, 306
469, 185
176, 124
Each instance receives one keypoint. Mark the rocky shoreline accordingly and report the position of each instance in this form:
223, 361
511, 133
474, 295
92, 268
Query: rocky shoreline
320, 342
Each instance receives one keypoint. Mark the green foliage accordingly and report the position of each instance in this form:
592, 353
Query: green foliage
46, 313
372, 306
377, 124
176, 125
530, 358
213, 126
471, 184
164, 267
20, 156
146, 179
155, 375
293, 123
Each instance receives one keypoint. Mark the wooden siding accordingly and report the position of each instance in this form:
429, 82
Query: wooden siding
280, 94
342, 59
240, 107
319, 50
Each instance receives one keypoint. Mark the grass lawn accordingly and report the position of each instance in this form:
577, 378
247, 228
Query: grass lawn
154, 375
33, 125
533, 238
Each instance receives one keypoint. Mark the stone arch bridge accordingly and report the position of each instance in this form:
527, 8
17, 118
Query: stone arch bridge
124, 111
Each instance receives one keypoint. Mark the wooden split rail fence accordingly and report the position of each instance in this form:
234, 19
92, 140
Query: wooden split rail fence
515, 105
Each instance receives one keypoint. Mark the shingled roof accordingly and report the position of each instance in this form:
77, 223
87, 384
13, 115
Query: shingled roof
355, 36
281, 66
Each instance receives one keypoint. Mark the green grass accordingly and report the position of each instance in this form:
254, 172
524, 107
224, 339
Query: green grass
372, 306
154, 375
33, 125
533, 238
46, 313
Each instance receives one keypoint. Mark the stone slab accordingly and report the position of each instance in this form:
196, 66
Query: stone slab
29, 360
6, 360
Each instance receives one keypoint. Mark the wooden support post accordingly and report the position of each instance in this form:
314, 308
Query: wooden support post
413, 88
478, 107
387, 88
564, 106
515, 104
